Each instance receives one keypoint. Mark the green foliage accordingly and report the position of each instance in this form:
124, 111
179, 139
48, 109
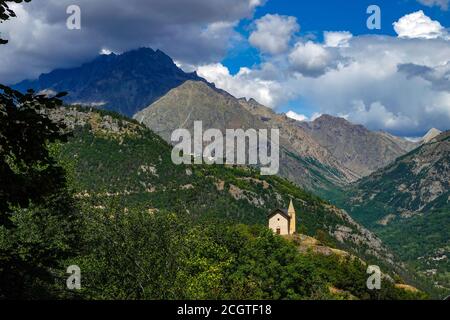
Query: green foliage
138, 170
37, 214
137, 173
166, 256
423, 241
129, 244
25, 162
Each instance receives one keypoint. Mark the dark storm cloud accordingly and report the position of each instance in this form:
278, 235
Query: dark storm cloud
193, 31
439, 76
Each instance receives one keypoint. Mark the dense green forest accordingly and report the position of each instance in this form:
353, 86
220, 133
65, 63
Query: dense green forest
167, 256
140, 227
392, 203
75, 201
416, 240
101, 193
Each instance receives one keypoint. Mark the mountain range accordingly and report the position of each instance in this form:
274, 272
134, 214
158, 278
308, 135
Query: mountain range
356, 147
397, 188
407, 203
124, 83
199, 101
336, 151
115, 161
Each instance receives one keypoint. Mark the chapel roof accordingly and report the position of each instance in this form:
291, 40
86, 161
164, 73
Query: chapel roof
283, 212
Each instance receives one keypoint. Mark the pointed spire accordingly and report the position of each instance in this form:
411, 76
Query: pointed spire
291, 213
291, 208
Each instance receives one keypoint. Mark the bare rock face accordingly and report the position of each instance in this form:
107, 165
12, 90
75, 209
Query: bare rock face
124, 83
417, 182
196, 101
299, 139
431, 134
99, 124
354, 146
302, 160
351, 149
318, 156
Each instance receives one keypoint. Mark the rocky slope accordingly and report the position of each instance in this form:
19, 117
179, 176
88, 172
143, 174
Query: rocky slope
416, 182
301, 159
338, 151
114, 160
431, 134
408, 205
355, 147
298, 139
124, 83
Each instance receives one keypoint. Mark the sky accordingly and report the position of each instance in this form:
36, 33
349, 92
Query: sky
304, 58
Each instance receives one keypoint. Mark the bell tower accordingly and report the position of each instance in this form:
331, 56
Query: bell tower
291, 213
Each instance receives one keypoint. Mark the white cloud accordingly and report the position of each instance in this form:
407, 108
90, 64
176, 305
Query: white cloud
413, 139
337, 38
443, 4
202, 33
397, 84
294, 115
105, 51
418, 25
391, 99
273, 33
245, 83
311, 59
360, 78
376, 115
301, 117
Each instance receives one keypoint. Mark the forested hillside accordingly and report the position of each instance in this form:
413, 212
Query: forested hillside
407, 205
120, 170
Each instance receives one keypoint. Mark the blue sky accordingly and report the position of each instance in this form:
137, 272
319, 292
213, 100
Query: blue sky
315, 17
304, 58
322, 15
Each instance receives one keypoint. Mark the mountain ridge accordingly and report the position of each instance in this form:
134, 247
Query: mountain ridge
361, 150
148, 179
124, 83
407, 204
199, 101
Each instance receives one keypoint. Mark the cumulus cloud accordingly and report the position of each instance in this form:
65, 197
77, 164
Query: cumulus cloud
201, 34
376, 115
403, 99
273, 33
312, 60
337, 38
418, 25
246, 83
373, 87
301, 117
443, 4
397, 84
438, 76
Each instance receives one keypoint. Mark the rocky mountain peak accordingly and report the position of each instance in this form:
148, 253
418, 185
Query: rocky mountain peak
357, 148
125, 83
431, 134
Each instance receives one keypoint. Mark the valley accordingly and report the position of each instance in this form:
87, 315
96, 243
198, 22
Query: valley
395, 188
128, 169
